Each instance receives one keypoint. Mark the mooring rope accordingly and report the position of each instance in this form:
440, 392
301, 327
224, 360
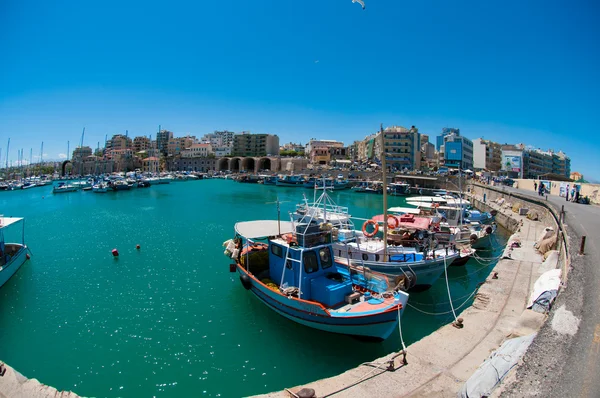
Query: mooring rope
446, 312
448, 288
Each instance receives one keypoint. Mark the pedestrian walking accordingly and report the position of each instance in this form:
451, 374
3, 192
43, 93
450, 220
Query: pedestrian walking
567, 193
541, 189
535, 186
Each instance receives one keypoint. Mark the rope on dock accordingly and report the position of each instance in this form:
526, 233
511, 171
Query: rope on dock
446, 312
448, 288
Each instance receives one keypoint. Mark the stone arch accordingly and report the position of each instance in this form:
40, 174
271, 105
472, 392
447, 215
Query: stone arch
234, 165
248, 164
223, 164
264, 164
63, 167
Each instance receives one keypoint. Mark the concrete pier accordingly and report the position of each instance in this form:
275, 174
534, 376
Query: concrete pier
14, 385
439, 364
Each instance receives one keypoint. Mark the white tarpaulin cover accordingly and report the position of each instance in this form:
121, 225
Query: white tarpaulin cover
549, 280
262, 228
490, 373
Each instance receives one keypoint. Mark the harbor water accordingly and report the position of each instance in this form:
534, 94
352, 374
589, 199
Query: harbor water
169, 319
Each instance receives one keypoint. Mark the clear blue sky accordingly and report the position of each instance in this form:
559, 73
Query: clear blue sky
511, 71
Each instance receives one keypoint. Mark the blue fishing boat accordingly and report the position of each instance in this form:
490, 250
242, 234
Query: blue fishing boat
12, 255
295, 274
290, 181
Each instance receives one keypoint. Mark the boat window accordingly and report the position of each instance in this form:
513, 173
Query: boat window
310, 262
277, 250
326, 260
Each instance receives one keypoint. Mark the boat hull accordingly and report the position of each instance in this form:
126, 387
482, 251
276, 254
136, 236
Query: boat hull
374, 326
9, 269
426, 273
483, 242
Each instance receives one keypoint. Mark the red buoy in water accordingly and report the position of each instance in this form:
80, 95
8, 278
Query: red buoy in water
27, 256
115, 252
138, 247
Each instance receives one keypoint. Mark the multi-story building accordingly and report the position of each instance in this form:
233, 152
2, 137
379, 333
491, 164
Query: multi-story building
255, 145
402, 148
151, 164
162, 141
487, 155
177, 163
439, 140
292, 147
457, 151
118, 141
177, 145
561, 164
141, 144
318, 151
197, 151
81, 153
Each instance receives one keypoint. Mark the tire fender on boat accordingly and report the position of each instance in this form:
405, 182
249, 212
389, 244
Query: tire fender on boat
246, 281
473, 239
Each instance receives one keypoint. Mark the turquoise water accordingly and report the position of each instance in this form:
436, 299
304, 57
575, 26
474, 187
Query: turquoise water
170, 320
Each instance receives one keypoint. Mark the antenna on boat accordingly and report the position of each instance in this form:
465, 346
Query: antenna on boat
278, 202
385, 205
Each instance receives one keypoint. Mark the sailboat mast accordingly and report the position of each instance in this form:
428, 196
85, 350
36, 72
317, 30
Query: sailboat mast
385, 205
7, 148
30, 160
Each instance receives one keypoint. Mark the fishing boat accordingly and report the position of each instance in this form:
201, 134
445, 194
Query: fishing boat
417, 257
398, 189
120, 185
269, 180
367, 187
295, 275
101, 187
290, 181
12, 255
62, 187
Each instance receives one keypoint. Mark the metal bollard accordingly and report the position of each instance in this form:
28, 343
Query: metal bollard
582, 247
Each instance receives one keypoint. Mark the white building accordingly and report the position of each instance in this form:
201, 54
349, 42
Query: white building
197, 151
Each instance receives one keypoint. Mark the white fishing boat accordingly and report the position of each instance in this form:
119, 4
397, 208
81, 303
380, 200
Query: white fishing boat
12, 255
63, 187
100, 188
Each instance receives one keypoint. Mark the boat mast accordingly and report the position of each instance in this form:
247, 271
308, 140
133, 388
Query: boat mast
7, 148
30, 159
41, 157
385, 205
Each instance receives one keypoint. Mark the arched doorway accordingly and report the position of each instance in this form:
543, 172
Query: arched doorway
248, 164
264, 164
63, 168
234, 165
223, 164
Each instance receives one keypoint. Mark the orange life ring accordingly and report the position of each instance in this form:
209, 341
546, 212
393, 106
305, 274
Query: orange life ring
395, 222
375, 228
435, 205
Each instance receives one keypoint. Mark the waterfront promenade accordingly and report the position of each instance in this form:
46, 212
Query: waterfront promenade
559, 365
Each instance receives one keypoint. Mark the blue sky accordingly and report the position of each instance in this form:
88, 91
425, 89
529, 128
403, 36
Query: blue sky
512, 71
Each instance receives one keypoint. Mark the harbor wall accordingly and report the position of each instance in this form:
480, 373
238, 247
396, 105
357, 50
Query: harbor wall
442, 362
14, 385
484, 197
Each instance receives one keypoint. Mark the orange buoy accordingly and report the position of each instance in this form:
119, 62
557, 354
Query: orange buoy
138, 247
115, 252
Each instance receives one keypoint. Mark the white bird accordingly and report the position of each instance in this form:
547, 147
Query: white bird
361, 2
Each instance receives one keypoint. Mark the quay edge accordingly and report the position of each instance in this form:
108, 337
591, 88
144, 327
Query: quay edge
439, 364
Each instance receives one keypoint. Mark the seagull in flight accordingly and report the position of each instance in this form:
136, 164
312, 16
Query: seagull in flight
361, 2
